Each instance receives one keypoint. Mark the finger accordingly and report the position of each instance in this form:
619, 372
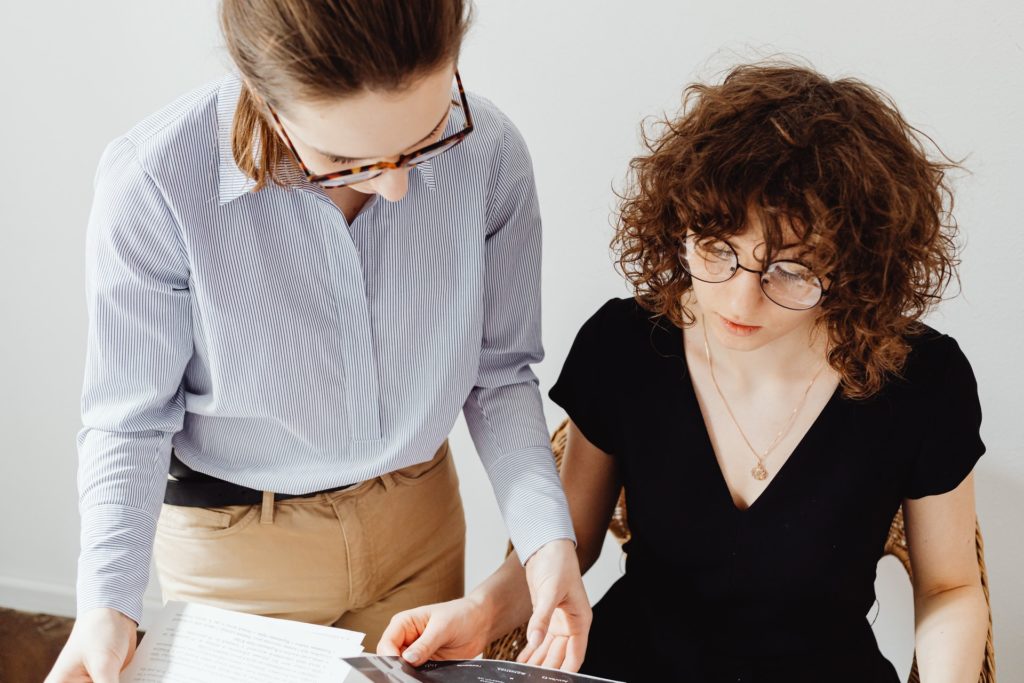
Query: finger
59, 672
133, 645
575, 652
537, 658
395, 636
62, 673
556, 653
103, 667
540, 621
528, 651
434, 637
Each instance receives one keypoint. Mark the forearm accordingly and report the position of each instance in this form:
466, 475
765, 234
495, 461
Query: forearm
505, 598
121, 480
951, 627
508, 428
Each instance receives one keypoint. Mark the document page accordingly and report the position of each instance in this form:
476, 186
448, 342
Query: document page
374, 669
193, 643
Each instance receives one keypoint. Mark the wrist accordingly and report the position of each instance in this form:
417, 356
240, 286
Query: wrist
484, 604
557, 546
108, 614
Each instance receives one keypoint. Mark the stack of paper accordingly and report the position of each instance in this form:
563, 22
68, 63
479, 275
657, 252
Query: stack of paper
193, 643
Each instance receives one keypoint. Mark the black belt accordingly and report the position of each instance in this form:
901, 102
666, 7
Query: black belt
196, 489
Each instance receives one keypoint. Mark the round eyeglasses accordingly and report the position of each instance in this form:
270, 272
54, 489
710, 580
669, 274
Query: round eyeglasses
789, 284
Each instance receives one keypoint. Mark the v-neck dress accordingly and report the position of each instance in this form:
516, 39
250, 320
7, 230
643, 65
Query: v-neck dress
780, 591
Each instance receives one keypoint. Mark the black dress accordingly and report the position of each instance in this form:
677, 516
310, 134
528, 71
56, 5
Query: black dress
780, 591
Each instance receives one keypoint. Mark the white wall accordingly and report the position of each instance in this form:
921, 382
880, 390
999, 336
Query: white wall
577, 76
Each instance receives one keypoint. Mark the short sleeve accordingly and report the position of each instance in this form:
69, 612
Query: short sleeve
951, 420
585, 387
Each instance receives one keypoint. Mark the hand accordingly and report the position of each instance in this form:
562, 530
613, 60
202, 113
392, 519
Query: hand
101, 644
448, 630
557, 632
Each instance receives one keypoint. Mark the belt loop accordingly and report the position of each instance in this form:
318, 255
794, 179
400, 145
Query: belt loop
388, 480
267, 509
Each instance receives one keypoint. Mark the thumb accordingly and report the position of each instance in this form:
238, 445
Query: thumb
541, 619
402, 629
103, 667
424, 647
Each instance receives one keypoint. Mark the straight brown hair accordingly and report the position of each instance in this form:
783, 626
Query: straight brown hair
325, 49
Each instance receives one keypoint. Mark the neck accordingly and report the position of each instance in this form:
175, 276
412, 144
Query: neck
350, 201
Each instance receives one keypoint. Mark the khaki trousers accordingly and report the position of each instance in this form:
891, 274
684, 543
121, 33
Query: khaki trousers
350, 559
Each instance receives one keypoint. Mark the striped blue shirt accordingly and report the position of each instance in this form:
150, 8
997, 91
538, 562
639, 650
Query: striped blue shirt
277, 346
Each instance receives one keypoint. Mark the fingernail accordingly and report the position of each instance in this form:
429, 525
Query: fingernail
411, 656
534, 637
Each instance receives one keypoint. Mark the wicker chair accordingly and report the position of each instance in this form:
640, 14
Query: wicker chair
509, 646
896, 546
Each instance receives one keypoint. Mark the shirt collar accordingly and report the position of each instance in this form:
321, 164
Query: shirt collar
232, 182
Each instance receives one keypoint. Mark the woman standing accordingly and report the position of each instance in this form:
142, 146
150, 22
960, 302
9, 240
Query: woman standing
296, 279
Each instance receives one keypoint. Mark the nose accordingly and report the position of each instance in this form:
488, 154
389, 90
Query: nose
393, 184
743, 294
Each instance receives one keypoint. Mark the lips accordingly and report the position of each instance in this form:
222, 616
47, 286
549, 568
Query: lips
737, 327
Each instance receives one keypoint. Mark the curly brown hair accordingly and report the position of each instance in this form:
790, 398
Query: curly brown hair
832, 161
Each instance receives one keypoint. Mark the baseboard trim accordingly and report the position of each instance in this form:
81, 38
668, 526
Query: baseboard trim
37, 596
52, 598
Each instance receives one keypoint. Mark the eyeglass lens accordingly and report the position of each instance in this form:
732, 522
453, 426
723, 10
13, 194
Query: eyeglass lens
367, 175
787, 283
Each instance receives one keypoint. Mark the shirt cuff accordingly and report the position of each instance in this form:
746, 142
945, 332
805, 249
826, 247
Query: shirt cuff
531, 500
113, 568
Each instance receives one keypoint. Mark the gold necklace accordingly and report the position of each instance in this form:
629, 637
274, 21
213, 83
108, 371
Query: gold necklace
759, 471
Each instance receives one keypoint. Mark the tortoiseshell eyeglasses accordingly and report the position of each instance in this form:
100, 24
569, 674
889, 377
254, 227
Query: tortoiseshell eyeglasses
358, 174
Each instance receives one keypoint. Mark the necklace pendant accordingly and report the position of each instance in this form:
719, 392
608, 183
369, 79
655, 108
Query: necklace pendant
759, 472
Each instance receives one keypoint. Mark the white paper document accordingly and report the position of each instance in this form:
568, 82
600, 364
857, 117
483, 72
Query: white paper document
193, 643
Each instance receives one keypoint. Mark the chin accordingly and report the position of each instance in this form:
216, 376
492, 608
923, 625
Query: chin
745, 340
747, 343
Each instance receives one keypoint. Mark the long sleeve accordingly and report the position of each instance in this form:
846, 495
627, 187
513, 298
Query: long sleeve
139, 342
504, 410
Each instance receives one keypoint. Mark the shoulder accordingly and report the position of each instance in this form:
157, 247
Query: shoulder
627, 316
181, 135
615, 314
936, 376
933, 359
625, 325
941, 398
495, 140
622, 349
490, 124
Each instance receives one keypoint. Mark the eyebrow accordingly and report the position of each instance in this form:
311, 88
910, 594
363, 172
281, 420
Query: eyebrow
782, 247
341, 158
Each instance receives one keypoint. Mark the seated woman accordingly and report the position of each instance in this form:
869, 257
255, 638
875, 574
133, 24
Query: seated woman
768, 399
